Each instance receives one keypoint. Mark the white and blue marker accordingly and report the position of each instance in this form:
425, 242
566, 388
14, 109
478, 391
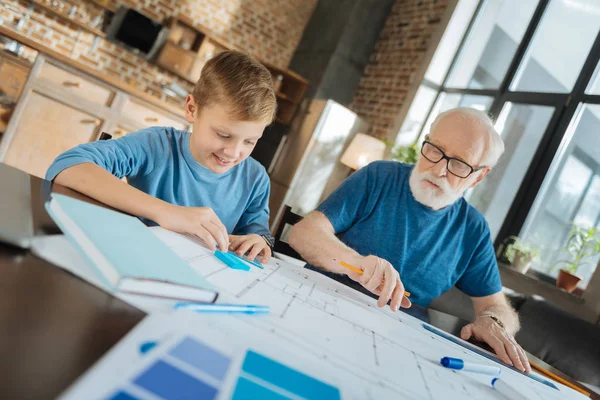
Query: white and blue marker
457, 363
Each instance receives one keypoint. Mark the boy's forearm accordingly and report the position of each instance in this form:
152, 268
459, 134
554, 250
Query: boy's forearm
315, 240
99, 184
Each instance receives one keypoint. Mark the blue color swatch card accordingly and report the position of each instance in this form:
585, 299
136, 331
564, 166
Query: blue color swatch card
207, 360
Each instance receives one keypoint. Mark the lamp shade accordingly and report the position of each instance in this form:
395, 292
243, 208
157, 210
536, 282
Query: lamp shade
362, 150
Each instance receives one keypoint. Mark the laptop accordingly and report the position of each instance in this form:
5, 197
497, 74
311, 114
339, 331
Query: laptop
16, 217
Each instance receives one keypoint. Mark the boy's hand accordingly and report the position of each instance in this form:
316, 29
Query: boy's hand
253, 243
199, 221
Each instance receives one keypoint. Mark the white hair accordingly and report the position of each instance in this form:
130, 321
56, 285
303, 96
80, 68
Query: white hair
494, 146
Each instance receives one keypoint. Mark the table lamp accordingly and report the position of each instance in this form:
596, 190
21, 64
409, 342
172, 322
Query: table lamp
362, 150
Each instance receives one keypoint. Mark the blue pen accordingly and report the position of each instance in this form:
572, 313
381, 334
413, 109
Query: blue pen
224, 308
479, 351
458, 364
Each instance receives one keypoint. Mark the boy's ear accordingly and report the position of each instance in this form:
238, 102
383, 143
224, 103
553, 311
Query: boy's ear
190, 108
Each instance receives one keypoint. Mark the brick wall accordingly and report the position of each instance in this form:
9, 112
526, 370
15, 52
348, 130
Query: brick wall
268, 29
398, 54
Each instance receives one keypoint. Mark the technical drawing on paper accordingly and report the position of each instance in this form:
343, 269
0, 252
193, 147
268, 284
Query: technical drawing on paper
389, 354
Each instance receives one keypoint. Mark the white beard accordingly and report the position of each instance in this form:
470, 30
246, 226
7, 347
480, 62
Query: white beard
431, 197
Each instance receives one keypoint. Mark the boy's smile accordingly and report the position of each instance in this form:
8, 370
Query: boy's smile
219, 142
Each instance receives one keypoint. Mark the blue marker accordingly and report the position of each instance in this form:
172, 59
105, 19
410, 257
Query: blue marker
147, 346
224, 308
485, 354
457, 363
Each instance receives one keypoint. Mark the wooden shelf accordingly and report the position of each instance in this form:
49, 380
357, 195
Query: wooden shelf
64, 16
286, 98
104, 4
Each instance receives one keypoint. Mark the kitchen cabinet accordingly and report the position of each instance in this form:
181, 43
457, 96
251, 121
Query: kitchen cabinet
146, 116
61, 108
13, 75
48, 127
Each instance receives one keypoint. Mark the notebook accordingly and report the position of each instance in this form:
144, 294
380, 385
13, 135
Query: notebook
125, 254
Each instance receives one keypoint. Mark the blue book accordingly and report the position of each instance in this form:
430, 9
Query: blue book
126, 255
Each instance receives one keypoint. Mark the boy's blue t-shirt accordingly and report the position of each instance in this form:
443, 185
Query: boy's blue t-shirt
374, 212
158, 161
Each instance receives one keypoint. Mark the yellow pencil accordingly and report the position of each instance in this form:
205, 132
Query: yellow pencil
558, 378
360, 272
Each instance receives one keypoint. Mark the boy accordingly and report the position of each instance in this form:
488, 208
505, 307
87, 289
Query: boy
202, 183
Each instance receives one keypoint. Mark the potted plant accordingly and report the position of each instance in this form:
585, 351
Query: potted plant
582, 245
405, 154
519, 253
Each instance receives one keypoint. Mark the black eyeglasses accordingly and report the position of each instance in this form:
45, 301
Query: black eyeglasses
455, 166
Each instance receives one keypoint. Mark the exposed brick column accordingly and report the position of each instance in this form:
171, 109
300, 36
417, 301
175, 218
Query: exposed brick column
398, 55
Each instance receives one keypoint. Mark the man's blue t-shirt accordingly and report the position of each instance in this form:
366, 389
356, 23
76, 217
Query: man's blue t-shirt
374, 212
158, 161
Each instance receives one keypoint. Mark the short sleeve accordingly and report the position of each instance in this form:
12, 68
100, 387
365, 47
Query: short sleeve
345, 206
481, 277
255, 218
136, 154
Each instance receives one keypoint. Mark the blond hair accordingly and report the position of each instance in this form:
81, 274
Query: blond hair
237, 80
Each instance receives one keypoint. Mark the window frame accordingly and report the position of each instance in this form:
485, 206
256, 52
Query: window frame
565, 106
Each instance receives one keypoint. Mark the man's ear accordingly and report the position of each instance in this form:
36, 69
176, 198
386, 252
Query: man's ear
190, 108
482, 173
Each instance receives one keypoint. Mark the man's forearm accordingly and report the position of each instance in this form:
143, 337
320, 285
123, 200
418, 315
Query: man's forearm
315, 240
506, 314
99, 184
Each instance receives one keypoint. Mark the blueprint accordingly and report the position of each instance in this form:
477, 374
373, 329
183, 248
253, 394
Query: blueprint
366, 351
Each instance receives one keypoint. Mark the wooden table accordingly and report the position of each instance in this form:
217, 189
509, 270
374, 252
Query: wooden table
54, 326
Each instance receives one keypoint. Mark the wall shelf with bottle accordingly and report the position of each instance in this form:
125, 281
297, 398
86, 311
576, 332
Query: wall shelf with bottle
184, 52
69, 12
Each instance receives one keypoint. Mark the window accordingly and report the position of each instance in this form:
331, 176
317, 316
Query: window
522, 127
419, 109
560, 47
534, 66
491, 44
570, 195
457, 26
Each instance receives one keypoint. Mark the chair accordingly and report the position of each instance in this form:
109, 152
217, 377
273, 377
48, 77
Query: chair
290, 219
105, 136
281, 246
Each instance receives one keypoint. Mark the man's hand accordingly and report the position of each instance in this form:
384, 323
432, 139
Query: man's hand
199, 221
252, 244
487, 330
380, 277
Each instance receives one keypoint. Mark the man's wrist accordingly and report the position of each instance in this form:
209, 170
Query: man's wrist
493, 318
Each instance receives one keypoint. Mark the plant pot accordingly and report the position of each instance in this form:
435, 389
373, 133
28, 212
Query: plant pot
521, 262
567, 280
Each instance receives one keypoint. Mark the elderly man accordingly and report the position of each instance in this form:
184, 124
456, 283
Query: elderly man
409, 227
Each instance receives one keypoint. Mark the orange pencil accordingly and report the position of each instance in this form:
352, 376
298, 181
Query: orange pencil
360, 272
558, 378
